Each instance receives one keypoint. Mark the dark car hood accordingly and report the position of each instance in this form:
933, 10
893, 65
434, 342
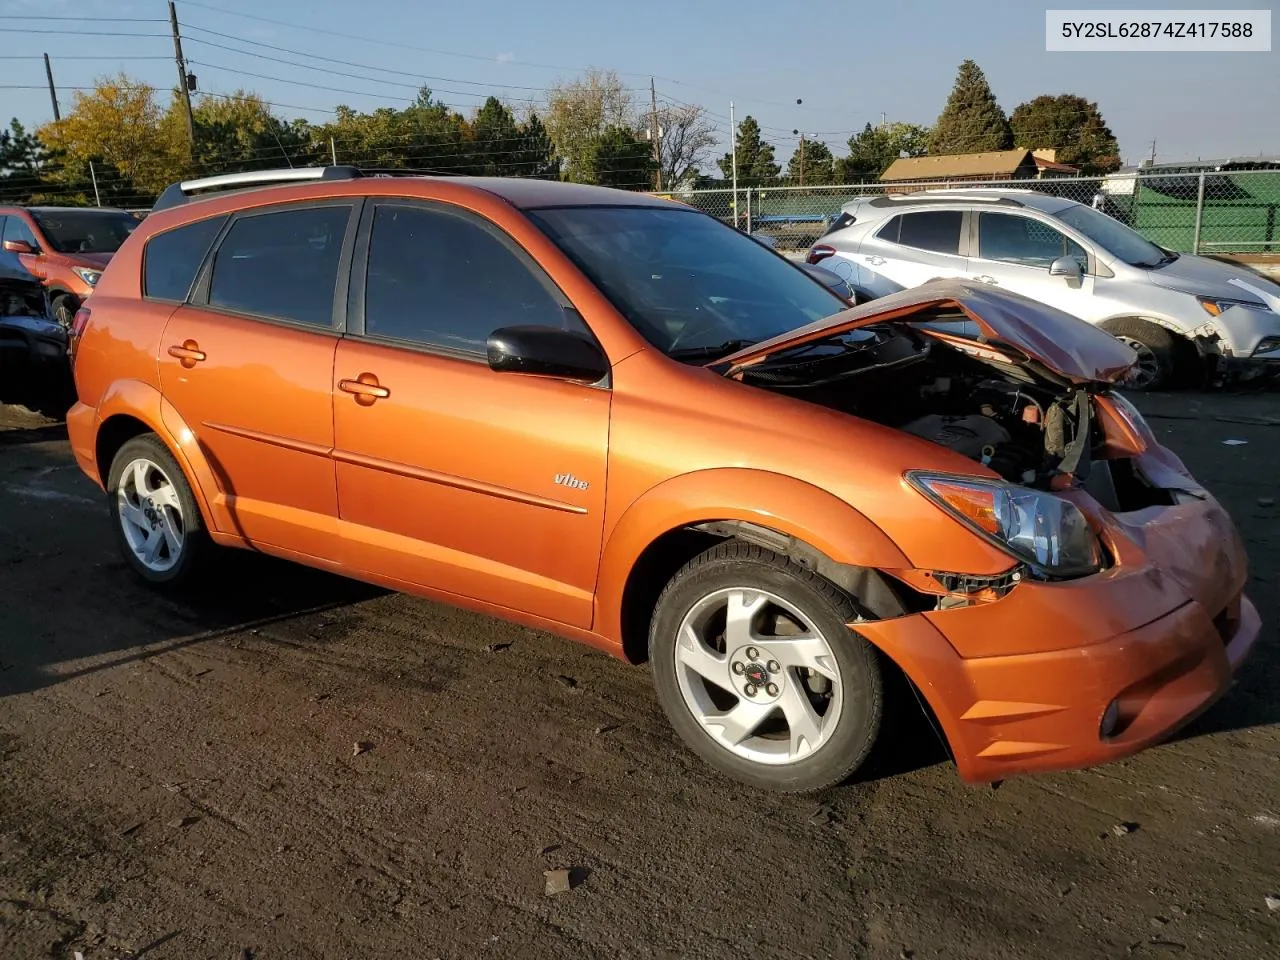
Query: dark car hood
1010, 328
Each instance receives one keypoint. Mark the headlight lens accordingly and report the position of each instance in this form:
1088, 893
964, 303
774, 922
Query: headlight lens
1216, 306
1041, 529
88, 276
1132, 416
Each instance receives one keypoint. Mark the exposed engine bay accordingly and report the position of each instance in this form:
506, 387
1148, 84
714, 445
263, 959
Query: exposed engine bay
1027, 427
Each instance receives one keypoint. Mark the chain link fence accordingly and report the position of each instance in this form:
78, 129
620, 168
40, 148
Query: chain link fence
1206, 212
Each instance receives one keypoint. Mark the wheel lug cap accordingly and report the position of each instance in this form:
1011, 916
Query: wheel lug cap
772, 689
751, 690
773, 666
738, 668
753, 653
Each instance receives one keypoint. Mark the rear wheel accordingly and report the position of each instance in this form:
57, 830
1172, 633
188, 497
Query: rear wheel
157, 521
759, 674
1164, 358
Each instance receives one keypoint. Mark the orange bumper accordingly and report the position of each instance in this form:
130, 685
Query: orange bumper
1155, 640
82, 432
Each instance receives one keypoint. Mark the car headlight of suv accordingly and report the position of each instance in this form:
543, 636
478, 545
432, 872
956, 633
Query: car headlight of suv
1216, 306
90, 277
1044, 531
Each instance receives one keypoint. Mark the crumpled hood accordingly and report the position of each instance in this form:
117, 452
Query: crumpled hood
1015, 328
1203, 277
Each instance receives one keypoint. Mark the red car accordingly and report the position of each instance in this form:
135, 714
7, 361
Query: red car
67, 248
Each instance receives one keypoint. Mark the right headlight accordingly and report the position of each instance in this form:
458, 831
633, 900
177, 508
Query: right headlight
1043, 530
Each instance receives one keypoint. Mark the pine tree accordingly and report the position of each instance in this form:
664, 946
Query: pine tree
972, 121
756, 164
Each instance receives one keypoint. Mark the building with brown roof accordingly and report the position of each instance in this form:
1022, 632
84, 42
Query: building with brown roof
977, 167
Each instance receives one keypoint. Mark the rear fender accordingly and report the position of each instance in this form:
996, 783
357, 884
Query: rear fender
769, 500
143, 402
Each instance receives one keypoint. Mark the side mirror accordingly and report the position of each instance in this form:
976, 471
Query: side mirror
19, 246
1068, 267
546, 351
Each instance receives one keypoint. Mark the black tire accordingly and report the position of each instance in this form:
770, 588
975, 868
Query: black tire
1166, 359
736, 564
64, 309
196, 545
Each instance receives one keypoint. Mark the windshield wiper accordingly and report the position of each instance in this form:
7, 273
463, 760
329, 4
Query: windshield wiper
709, 352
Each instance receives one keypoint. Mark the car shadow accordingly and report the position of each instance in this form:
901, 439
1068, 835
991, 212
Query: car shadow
71, 604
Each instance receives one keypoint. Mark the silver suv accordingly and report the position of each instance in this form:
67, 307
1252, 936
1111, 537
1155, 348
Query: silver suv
1184, 315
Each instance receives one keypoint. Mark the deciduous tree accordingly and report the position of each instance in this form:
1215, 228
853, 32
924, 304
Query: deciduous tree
872, 150
581, 111
1071, 125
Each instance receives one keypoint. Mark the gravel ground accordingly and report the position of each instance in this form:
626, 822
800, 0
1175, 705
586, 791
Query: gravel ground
181, 779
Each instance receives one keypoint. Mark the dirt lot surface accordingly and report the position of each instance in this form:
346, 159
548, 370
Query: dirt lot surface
179, 779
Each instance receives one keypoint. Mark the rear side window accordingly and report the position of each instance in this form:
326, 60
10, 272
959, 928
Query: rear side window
281, 265
171, 260
839, 223
937, 231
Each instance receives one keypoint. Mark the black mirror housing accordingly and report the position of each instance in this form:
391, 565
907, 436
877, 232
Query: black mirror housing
547, 352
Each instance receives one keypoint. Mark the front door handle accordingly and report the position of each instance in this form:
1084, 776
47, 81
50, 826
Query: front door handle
189, 353
365, 388
986, 279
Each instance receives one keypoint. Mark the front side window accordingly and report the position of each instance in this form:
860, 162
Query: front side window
85, 231
1113, 236
692, 286
281, 265
171, 259
1009, 238
440, 279
15, 228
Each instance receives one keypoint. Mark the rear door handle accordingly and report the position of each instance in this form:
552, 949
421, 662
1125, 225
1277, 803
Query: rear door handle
365, 388
189, 353
875, 261
986, 279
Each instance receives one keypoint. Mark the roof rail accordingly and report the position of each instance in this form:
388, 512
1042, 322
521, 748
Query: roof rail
175, 195
940, 196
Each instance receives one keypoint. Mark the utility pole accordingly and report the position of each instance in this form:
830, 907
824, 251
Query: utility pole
53, 94
733, 146
182, 76
801, 155
333, 151
655, 131
1153, 152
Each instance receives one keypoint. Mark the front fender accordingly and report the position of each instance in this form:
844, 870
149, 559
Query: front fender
772, 500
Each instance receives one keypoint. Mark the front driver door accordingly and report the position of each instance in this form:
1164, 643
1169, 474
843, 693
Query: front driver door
1014, 252
453, 477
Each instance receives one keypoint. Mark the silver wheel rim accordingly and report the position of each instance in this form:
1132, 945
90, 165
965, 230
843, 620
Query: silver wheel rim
757, 675
1147, 370
151, 515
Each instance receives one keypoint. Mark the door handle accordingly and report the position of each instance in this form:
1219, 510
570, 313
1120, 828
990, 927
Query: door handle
189, 353
986, 279
365, 388
875, 261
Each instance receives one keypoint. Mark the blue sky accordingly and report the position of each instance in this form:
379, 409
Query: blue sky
848, 62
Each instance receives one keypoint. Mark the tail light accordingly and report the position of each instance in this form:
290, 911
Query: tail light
820, 252
78, 324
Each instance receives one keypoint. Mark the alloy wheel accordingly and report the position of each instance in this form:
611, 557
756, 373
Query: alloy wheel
150, 514
758, 677
1146, 371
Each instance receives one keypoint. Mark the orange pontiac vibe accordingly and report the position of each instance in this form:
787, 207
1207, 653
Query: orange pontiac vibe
613, 417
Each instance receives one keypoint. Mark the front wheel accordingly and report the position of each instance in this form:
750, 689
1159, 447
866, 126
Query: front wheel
759, 674
1164, 358
64, 310
157, 520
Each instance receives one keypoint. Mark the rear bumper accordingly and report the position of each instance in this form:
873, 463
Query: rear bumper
1159, 637
82, 432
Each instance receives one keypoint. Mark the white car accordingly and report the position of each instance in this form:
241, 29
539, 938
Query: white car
1184, 315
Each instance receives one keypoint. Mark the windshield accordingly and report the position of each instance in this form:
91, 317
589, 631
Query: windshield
85, 231
1113, 236
691, 286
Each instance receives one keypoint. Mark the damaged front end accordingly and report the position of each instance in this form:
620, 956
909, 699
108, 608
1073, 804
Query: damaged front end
1016, 386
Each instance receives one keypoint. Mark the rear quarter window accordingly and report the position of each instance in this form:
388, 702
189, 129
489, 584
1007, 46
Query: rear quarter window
171, 259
